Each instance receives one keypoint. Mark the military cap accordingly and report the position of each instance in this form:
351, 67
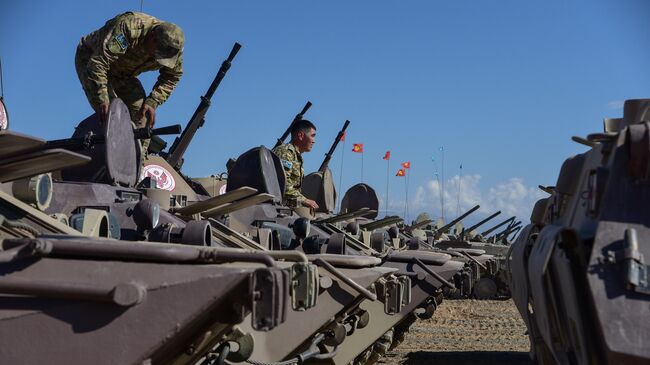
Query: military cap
169, 43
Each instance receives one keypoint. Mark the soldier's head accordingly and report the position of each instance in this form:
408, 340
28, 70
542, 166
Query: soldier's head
166, 41
303, 135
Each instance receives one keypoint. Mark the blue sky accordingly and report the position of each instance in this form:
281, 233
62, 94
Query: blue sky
501, 84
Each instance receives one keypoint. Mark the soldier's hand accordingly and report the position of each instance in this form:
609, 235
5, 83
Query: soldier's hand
149, 112
310, 204
103, 112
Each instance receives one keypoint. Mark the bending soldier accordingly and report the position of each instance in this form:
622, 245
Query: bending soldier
109, 59
303, 134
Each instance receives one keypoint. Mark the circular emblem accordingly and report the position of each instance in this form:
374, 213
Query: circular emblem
222, 189
164, 179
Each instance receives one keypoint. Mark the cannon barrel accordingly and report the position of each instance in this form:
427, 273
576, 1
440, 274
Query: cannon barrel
509, 220
482, 222
514, 232
420, 224
328, 155
91, 139
175, 155
295, 120
446, 227
507, 231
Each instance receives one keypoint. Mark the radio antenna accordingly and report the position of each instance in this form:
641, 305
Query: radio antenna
2, 87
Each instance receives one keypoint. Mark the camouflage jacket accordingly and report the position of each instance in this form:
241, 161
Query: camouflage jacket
292, 164
117, 51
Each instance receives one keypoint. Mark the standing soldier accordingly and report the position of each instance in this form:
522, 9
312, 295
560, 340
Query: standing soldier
303, 134
109, 59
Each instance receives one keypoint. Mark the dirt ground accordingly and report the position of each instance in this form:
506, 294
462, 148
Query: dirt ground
466, 332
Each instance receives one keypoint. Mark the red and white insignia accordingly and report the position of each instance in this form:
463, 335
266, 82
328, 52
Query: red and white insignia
165, 180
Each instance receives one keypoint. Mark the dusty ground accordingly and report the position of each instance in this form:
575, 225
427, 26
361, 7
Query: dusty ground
466, 332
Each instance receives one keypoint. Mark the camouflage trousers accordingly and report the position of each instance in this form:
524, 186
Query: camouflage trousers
128, 89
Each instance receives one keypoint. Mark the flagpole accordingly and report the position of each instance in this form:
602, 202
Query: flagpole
442, 149
406, 216
406, 193
387, 179
341, 176
361, 166
460, 178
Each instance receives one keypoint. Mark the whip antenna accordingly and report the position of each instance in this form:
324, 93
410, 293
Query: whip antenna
2, 88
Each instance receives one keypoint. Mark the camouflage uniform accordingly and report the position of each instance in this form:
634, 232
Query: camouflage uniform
292, 163
109, 59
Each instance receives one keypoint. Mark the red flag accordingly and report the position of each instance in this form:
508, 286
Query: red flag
357, 147
406, 165
400, 172
343, 137
387, 155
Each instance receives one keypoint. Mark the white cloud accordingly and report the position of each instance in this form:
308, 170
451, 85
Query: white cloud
512, 197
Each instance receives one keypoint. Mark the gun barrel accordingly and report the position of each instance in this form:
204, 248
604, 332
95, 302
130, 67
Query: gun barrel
175, 155
514, 232
74, 144
328, 155
420, 224
446, 227
497, 226
507, 231
295, 120
482, 222
145, 133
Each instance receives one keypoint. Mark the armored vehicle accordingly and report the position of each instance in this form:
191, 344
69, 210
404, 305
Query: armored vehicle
479, 266
87, 299
494, 277
579, 277
427, 271
273, 225
63, 264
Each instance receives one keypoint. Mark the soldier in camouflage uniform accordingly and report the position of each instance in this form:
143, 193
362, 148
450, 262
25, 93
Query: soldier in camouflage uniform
303, 134
109, 59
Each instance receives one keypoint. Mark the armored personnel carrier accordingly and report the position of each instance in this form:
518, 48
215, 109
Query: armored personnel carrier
579, 277
427, 271
62, 264
494, 275
271, 225
479, 266
99, 300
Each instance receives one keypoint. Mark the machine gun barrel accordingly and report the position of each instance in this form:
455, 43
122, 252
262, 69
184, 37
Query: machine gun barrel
297, 118
419, 224
175, 155
506, 231
446, 227
328, 155
509, 220
146, 133
482, 222
514, 232
91, 139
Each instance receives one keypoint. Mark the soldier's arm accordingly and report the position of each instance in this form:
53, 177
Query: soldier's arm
290, 191
115, 44
165, 84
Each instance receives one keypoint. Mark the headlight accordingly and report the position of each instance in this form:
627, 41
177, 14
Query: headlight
146, 214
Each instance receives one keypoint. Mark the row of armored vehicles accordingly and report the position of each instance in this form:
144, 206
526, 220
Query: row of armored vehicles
110, 254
